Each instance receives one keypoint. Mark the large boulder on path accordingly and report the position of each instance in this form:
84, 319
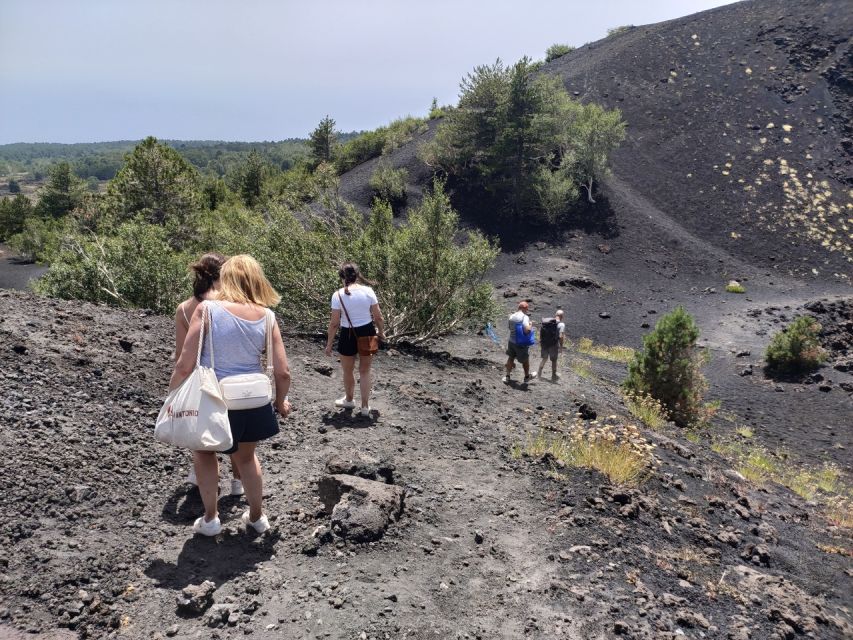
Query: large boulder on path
356, 463
361, 509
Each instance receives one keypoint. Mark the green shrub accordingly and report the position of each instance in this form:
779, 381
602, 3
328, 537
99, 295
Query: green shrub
438, 112
389, 184
40, 239
135, 267
372, 144
13, 214
14, 186
434, 282
796, 348
668, 368
430, 281
734, 286
615, 31
557, 50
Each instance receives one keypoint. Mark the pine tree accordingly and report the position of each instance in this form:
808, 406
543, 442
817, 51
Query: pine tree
323, 140
157, 182
667, 367
252, 179
62, 193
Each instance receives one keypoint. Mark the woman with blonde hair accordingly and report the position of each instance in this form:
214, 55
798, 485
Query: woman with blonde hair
237, 328
205, 272
355, 309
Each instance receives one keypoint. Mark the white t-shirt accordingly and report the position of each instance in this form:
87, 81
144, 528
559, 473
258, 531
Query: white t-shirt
514, 319
358, 304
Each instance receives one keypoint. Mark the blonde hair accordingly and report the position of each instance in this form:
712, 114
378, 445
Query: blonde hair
242, 279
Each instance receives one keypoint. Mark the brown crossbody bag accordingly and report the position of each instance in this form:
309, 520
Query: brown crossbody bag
367, 345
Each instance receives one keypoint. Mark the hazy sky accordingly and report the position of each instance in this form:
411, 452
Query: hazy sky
91, 70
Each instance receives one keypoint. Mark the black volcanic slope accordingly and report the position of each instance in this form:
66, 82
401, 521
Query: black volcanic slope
739, 128
739, 123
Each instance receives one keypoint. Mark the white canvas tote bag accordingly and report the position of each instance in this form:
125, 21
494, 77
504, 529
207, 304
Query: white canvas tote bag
194, 415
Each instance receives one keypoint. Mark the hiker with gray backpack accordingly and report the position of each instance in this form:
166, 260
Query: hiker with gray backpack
552, 338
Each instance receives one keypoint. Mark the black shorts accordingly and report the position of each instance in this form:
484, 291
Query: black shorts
520, 352
347, 343
252, 425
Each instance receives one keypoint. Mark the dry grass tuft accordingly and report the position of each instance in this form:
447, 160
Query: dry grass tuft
824, 485
826, 548
744, 431
581, 368
839, 511
646, 409
619, 451
614, 353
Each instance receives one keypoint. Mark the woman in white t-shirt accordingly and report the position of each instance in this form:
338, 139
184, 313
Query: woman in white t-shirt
355, 309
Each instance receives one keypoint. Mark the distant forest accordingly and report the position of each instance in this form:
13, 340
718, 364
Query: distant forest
102, 160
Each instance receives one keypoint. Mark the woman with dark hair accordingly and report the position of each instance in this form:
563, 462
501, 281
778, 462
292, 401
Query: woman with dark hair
205, 272
238, 323
355, 309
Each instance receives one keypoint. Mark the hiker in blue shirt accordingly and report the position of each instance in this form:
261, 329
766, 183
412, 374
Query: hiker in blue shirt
521, 337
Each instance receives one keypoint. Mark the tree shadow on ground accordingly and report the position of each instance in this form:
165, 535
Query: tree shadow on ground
514, 234
792, 376
219, 559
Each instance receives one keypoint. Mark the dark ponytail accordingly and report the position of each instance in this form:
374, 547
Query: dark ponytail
350, 274
206, 272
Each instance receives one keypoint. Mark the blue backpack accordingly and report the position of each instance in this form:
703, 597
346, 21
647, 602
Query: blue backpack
524, 339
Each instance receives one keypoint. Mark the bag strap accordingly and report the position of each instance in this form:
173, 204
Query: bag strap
269, 329
200, 337
351, 328
206, 319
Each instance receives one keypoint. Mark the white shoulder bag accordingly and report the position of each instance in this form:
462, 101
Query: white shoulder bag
194, 415
251, 390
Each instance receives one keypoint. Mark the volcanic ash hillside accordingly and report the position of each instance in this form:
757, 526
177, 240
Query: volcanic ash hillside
478, 542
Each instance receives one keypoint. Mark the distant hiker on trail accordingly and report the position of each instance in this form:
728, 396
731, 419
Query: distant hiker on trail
205, 285
552, 337
521, 337
238, 329
355, 309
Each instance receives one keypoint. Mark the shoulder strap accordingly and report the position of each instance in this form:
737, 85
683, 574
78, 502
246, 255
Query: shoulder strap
270, 326
351, 328
183, 308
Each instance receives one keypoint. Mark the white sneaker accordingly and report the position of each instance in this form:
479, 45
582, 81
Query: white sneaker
506, 379
530, 377
207, 528
237, 487
260, 525
343, 403
365, 412
191, 477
